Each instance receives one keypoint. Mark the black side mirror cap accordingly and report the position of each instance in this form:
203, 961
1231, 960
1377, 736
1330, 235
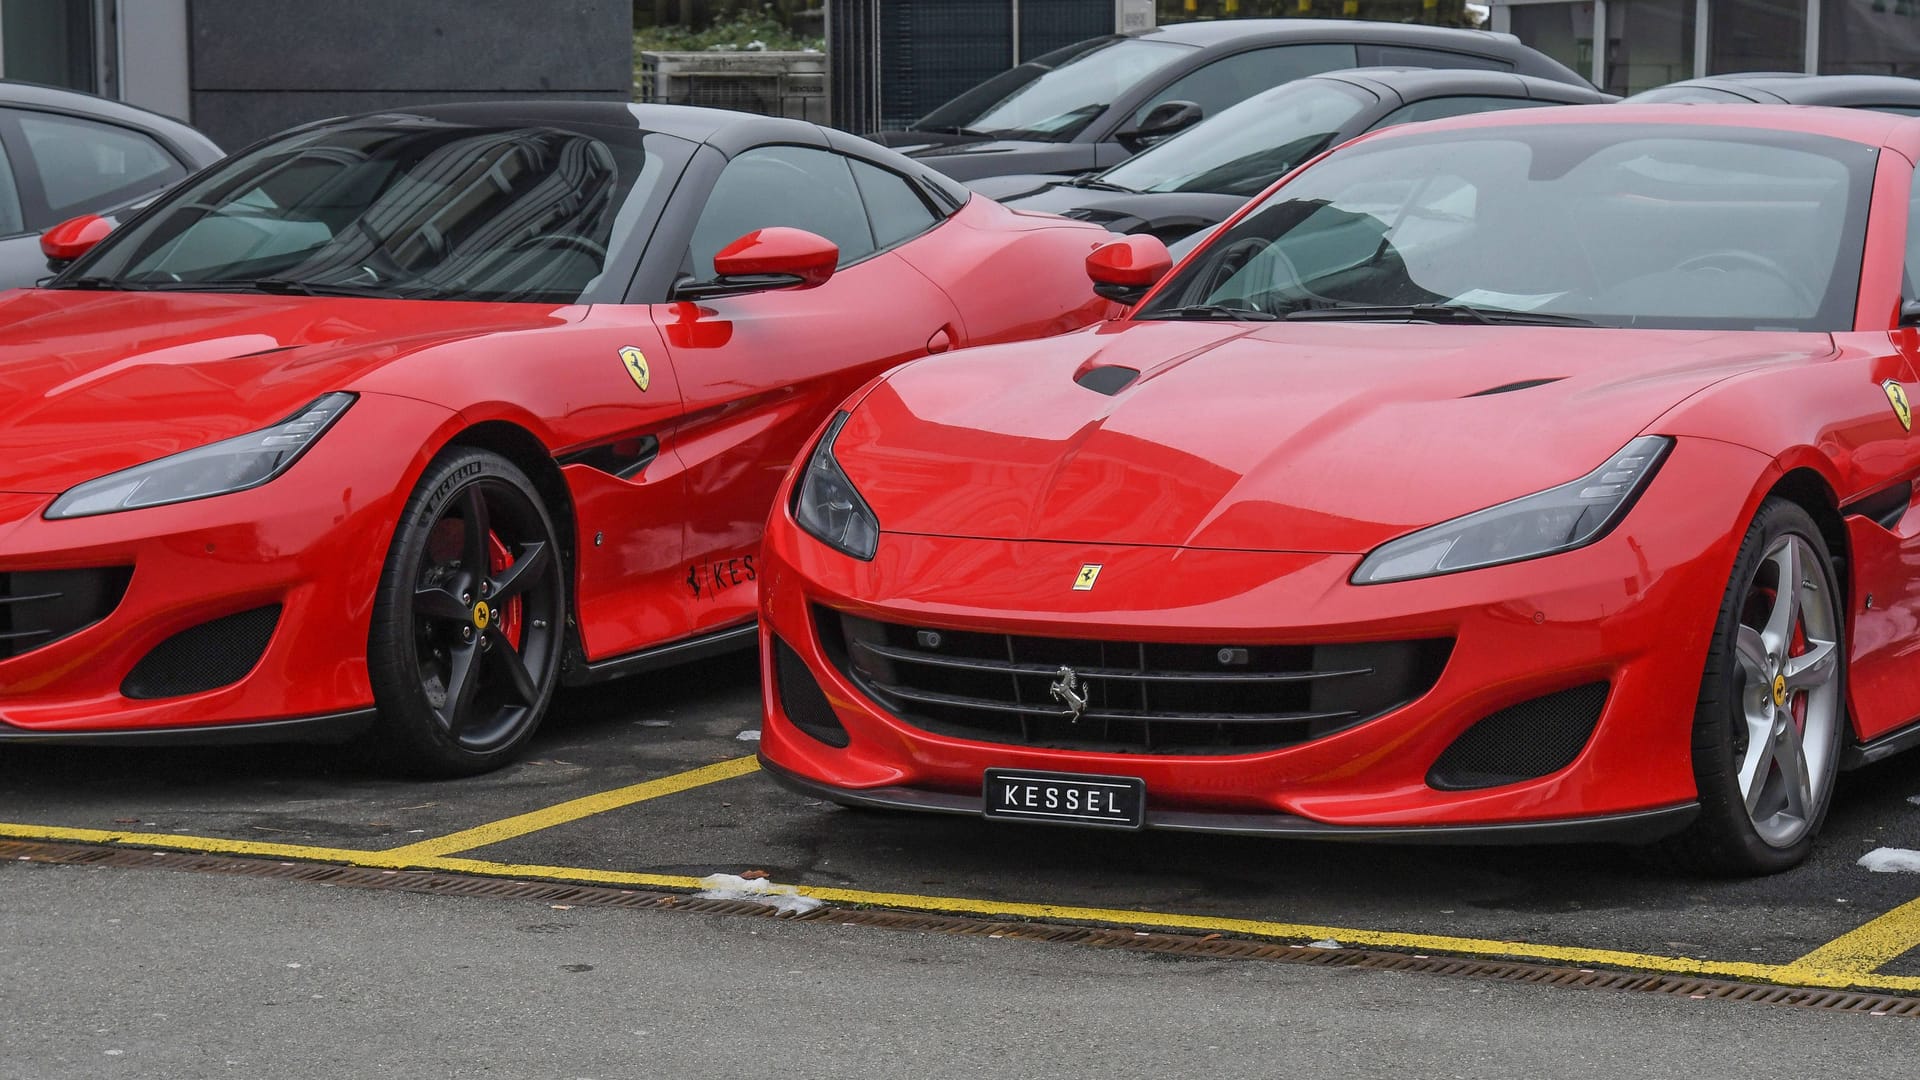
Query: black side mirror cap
1163, 120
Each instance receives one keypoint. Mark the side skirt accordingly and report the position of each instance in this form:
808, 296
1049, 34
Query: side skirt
713, 643
331, 728
1859, 755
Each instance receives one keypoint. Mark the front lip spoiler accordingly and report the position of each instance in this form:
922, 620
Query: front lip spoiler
1638, 826
330, 728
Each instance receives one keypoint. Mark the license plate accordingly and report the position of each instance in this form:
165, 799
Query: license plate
1117, 802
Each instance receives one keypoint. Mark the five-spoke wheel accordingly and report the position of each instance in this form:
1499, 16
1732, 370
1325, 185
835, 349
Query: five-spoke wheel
467, 629
1770, 719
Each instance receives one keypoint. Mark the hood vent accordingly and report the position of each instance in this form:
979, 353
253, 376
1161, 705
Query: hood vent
1508, 388
1109, 379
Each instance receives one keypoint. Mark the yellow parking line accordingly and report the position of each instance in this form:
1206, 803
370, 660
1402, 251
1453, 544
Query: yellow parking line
1869, 947
574, 810
207, 844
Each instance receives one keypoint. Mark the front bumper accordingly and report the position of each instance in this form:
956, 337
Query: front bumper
310, 543
1635, 610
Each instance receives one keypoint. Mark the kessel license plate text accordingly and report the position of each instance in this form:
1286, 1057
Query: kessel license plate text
1117, 802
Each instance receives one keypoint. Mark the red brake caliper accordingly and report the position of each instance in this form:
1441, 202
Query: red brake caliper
498, 559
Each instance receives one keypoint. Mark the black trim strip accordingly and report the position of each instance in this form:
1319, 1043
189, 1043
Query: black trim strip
329, 728
1858, 755
1010, 667
1638, 826
700, 647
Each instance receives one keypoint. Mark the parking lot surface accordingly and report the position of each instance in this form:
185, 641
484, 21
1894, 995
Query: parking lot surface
651, 782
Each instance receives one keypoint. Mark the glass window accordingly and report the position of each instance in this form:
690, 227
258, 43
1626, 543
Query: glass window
1441, 107
1249, 146
1562, 31
1616, 225
1757, 35
1869, 37
86, 166
782, 185
11, 222
1692, 95
49, 42
401, 207
895, 209
1649, 44
1910, 277
1234, 79
1055, 104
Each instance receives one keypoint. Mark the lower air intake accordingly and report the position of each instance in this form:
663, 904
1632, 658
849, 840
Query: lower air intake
214, 654
1537, 737
802, 699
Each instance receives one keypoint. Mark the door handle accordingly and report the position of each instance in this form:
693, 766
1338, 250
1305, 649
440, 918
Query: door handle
940, 342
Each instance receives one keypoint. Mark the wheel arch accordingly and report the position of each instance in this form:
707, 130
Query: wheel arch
1808, 489
529, 455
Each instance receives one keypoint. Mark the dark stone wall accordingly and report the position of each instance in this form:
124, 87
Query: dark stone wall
262, 65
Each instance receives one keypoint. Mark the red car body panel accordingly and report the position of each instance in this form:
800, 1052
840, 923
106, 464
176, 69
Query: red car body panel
1229, 497
93, 382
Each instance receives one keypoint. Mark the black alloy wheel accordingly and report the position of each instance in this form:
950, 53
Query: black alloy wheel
468, 621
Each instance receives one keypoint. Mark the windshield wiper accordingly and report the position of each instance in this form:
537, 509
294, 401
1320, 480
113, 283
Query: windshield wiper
98, 284
1216, 311
1097, 184
955, 129
315, 288
1455, 313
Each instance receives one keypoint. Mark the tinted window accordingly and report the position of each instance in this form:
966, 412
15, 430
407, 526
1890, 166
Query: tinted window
896, 210
1056, 104
782, 185
10, 220
1619, 225
1234, 79
403, 207
87, 166
1407, 56
1910, 277
1436, 108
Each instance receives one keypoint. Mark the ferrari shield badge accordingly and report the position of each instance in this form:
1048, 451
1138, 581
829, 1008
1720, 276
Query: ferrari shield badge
1897, 396
636, 362
1088, 575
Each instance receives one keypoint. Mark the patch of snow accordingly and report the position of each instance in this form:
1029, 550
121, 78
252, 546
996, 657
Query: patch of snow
783, 898
656, 723
1914, 799
1888, 860
1327, 943
749, 736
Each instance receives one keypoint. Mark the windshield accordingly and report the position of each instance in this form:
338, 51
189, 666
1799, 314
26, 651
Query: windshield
1611, 224
403, 207
1247, 147
1054, 105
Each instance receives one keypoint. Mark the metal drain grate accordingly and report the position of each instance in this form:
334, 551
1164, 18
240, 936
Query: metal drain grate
1211, 946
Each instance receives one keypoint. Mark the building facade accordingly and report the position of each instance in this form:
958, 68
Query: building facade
1648, 43
242, 69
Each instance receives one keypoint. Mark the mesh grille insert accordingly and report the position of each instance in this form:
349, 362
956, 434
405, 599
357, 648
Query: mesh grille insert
1521, 742
213, 654
1133, 697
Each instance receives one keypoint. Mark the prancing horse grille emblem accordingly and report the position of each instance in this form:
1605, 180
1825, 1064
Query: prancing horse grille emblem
1066, 690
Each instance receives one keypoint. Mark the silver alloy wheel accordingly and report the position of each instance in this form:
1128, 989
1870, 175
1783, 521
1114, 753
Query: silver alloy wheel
1790, 701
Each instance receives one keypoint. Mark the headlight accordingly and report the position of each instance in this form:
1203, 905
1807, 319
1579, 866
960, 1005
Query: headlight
829, 508
215, 469
1558, 519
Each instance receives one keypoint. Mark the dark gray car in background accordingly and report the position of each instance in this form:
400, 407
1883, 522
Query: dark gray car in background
1200, 176
1882, 93
66, 153
1096, 103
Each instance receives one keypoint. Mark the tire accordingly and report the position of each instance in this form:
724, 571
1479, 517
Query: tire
1771, 716
468, 620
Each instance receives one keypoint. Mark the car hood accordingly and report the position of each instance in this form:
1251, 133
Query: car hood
1269, 437
94, 382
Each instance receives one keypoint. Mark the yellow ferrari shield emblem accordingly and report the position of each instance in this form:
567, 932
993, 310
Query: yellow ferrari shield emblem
1780, 690
482, 615
1897, 396
1088, 575
636, 362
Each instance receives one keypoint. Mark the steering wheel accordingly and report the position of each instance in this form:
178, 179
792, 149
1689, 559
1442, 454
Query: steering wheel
1739, 259
1232, 259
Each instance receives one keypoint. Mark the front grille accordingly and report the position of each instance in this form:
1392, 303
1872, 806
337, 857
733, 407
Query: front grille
1140, 697
39, 607
1537, 737
213, 654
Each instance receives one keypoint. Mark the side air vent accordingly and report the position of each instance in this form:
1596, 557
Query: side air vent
1508, 388
1109, 379
205, 657
1537, 737
625, 459
1886, 507
802, 699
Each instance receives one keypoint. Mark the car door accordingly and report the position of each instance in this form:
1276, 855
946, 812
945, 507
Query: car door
759, 372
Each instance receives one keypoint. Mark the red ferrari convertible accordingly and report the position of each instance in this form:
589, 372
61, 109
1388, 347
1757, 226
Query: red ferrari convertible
1537, 475
421, 414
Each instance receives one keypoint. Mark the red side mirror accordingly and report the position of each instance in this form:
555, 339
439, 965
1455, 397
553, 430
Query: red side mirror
780, 251
1125, 269
74, 237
